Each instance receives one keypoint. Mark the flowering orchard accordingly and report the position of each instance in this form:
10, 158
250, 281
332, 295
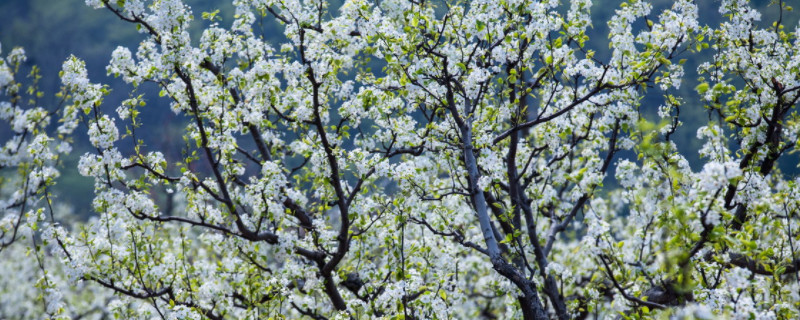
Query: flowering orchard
405, 159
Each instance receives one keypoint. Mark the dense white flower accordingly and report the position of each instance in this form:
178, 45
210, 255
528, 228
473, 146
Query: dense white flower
103, 133
468, 172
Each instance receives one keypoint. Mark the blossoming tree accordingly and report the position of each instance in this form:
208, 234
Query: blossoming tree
409, 159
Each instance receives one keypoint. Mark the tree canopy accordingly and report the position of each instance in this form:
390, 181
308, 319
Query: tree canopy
411, 159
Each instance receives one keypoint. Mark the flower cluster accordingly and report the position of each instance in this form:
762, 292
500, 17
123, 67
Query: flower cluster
470, 176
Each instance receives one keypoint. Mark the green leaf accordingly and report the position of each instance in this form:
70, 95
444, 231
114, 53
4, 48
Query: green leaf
780, 270
480, 25
702, 88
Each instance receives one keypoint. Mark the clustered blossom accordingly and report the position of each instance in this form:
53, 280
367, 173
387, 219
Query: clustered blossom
103, 133
716, 175
494, 166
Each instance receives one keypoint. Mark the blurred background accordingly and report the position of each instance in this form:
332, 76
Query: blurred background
51, 30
